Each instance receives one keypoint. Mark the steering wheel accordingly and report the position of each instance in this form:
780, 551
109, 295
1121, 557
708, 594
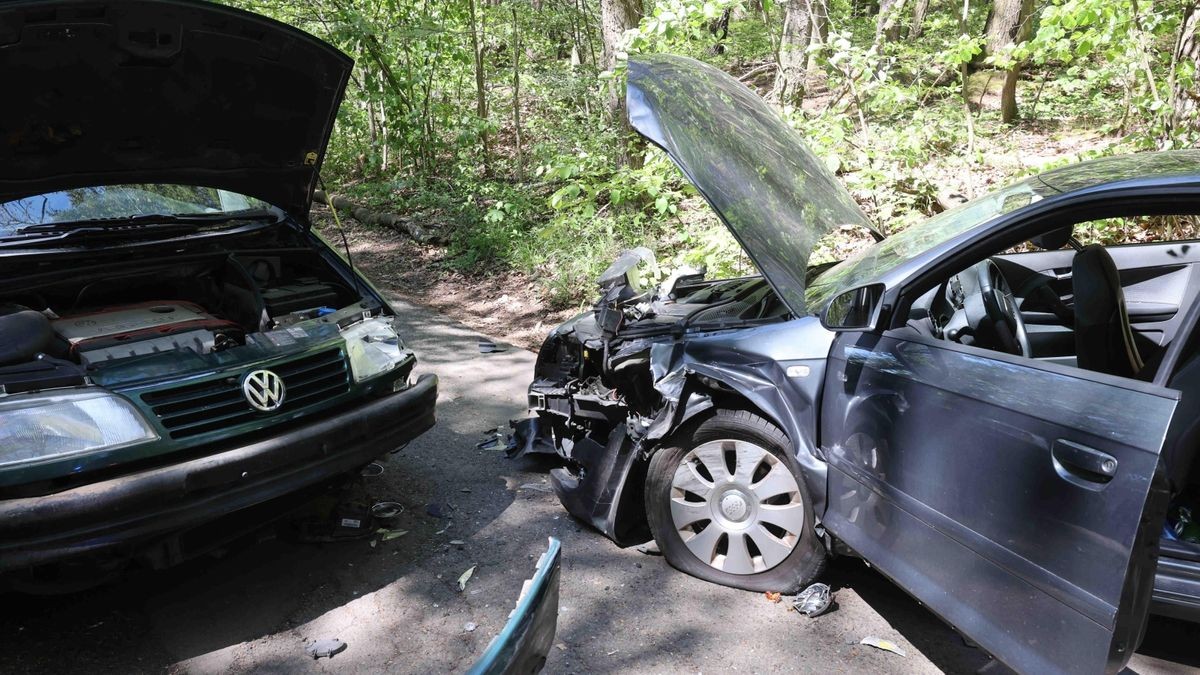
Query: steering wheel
1000, 305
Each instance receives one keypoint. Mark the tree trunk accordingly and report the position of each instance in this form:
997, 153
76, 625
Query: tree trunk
792, 58
887, 22
516, 47
917, 28
1009, 23
616, 17
480, 91
819, 10
1185, 100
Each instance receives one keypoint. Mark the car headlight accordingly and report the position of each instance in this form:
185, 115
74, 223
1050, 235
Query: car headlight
374, 348
41, 427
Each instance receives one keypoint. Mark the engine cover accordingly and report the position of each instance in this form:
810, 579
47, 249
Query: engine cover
146, 328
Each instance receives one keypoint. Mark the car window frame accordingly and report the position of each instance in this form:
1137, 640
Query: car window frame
1020, 225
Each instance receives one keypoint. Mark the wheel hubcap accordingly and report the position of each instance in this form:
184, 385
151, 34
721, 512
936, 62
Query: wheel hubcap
736, 506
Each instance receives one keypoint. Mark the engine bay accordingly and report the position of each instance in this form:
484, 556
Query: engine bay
200, 306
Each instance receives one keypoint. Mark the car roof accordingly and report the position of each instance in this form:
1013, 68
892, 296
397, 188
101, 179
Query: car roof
1152, 166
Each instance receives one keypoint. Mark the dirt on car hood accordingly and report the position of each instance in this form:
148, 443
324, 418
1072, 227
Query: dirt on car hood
104, 93
776, 197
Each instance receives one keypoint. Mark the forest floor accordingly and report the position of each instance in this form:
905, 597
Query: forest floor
511, 306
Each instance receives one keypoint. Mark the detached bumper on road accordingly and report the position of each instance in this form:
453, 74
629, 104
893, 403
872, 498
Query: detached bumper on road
131, 509
524, 643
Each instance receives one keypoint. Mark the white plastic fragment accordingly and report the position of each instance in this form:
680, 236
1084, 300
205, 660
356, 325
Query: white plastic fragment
885, 645
537, 486
466, 576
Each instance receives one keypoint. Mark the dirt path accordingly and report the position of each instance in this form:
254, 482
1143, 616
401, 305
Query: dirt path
503, 304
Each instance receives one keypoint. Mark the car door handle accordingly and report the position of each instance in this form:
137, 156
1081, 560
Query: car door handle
1083, 466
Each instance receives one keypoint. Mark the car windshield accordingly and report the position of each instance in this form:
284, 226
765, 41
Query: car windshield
871, 262
121, 201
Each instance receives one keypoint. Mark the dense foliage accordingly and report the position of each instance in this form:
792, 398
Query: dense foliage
499, 123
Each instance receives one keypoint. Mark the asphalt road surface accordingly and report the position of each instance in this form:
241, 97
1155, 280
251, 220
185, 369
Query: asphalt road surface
253, 607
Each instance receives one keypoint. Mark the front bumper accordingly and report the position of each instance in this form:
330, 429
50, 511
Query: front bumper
123, 512
524, 643
1177, 582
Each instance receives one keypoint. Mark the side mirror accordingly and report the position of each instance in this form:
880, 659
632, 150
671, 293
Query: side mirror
855, 309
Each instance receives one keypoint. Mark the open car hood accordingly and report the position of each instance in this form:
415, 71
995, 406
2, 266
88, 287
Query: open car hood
775, 196
105, 93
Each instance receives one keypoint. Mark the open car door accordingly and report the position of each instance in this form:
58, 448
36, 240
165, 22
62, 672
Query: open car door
1019, 500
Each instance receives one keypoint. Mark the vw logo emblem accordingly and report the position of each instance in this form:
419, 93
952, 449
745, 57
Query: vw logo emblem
263, 390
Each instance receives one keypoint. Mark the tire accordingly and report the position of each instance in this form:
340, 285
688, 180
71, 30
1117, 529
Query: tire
769, 511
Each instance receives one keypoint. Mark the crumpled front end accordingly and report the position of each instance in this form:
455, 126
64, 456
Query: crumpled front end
608, 385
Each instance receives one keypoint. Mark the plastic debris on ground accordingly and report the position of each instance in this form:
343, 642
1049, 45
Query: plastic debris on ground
458, 542
814, 600
385, 510
489, 347
537, 486
333, 518
649, 548
465, 577
773, 596
470, 626
491, 442
388, 535
885, 645
326, 647
372, 470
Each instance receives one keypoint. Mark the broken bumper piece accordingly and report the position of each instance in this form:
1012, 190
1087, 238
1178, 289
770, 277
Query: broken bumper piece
606, 489
524, 643
529, 437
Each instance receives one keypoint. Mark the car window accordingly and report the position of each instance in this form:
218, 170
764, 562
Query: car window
119, 201
868, 263
1140, 230
1135, 230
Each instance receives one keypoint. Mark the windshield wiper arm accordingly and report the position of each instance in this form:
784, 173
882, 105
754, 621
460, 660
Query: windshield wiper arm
198, 219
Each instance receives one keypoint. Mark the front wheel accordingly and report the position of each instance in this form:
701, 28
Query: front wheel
727, 504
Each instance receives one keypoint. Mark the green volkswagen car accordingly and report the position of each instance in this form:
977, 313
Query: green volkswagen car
177, 346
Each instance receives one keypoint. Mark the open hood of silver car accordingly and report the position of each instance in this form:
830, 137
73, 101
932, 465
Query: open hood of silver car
776, 197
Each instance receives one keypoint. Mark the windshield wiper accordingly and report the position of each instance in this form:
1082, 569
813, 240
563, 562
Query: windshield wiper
149, 220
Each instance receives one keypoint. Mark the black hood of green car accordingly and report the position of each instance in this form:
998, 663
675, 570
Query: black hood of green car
107, 93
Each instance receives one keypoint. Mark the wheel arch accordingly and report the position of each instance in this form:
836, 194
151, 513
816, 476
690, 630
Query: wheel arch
709, 387
775, 371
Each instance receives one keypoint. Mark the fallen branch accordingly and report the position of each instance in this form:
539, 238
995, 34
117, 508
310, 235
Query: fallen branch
759, 70
402, 224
